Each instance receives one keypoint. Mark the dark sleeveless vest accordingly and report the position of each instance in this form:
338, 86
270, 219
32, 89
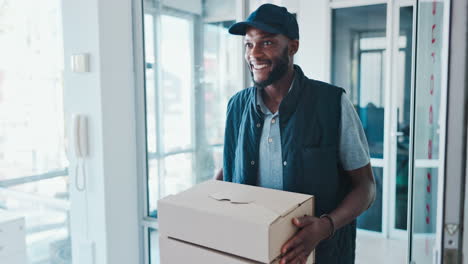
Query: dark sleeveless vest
309, 126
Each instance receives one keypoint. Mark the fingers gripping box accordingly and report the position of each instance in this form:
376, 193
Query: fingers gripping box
237, 221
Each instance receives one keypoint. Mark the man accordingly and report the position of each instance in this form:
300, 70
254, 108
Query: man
292, 133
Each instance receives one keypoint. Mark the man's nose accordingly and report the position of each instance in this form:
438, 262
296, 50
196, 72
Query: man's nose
255, 51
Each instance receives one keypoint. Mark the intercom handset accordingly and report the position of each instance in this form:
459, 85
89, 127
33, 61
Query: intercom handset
80, 136
80, 139
80, 147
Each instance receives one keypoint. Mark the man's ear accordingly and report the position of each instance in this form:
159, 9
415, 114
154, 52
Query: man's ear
293, 46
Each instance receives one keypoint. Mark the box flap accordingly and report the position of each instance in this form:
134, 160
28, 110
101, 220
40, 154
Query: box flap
260, 205
243, 196
201, 214
283, 203
233, 197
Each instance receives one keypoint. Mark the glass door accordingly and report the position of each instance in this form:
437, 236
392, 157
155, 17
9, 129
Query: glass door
402, 72
427, 171
169, 105
358, 65
373, 56
34, 167
395, 83
192, 68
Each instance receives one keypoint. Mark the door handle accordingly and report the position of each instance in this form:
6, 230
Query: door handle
398, 134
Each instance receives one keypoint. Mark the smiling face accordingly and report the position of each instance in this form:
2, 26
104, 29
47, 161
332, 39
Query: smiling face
268, 55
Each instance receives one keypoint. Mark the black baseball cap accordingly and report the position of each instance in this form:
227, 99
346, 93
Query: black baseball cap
270, 18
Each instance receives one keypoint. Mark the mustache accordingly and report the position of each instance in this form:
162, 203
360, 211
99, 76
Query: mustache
259, 62
280, 67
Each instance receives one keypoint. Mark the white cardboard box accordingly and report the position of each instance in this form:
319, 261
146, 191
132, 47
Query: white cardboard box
242, 220
179, 252
174, 251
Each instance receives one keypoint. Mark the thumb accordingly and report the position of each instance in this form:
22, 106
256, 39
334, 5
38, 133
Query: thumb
303, 221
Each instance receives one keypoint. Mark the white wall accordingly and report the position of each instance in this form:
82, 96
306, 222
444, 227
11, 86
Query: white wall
291, 5
106, 213
314, 52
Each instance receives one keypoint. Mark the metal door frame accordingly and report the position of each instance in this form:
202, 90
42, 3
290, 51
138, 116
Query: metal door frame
388, 163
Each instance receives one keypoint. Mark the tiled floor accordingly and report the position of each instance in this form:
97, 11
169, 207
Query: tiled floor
371, 249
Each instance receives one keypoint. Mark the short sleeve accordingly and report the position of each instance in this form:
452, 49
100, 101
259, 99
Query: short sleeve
353, 147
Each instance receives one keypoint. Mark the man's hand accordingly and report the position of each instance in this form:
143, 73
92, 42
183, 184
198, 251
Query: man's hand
312, 231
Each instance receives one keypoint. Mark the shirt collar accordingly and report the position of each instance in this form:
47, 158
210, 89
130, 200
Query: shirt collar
261, 104
290, 101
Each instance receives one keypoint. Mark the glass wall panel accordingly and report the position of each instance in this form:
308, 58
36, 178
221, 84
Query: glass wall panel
176, 84
358, 59
34, 179
193, 67
372, 218
219, 65
154, 246
358, 66
403, 103
427, 124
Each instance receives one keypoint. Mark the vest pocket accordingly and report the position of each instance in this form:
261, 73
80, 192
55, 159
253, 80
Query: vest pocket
320, 176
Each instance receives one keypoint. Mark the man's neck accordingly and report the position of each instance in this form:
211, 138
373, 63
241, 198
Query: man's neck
273, 94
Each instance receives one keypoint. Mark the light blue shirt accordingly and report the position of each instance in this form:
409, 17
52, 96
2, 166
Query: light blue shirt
270, 166
353, 147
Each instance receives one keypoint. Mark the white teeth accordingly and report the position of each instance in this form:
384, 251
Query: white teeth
259, 66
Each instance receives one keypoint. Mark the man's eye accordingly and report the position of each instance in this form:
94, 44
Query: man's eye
267, 43
248, 45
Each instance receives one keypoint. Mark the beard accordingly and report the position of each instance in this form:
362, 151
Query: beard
279, 70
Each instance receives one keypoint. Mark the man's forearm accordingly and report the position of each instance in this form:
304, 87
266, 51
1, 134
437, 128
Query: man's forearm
312, 229
354, 204
358, 200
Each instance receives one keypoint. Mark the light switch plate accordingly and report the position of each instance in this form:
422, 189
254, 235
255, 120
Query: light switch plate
80, 62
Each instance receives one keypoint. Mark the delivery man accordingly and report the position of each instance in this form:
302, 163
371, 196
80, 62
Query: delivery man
292, 133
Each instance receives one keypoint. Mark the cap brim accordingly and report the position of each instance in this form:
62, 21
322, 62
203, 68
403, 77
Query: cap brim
240, 28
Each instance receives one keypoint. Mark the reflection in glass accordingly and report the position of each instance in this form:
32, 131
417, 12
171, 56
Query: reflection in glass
150, 84
192, 69
177, 174
372, 218
154, 246
176, 85
359, 50
403, 91
221, 77
169, 97
358, 59
371, 76
424, 213
428, 90
370, 89
33, 165
154, 188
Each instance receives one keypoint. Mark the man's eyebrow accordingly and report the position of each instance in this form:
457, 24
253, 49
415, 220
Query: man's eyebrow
265, 36
268, 35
